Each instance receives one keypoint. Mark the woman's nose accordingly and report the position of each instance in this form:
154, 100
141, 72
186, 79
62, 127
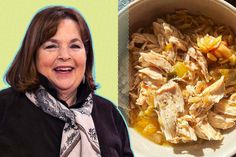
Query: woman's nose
64, 54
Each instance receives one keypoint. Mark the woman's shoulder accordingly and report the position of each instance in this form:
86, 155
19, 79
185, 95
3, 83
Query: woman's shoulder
7, 97
6, 94
107, 109
104, 104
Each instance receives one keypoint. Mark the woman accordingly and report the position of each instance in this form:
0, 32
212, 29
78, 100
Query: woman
50, 108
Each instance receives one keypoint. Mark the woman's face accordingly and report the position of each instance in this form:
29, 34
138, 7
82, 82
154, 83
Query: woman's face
62, 59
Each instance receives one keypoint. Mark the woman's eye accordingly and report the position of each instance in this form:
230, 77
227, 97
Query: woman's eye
50, 46
75, 46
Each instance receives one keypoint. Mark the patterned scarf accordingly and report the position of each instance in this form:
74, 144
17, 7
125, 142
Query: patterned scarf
79, 137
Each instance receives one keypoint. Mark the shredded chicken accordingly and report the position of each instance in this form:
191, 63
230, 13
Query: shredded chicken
155, 60
198, 56
227, 106
170, 103
185, 132
153, 74
205, 131
183, 72
208, 98
220, 121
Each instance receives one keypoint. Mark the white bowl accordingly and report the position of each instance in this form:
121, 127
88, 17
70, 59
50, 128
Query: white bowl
141, 13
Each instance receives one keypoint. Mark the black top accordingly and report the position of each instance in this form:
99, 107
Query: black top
26, 131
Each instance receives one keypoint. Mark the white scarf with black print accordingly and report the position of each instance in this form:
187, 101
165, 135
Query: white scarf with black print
79, 137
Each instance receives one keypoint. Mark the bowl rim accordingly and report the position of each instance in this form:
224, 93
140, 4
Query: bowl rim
134, 2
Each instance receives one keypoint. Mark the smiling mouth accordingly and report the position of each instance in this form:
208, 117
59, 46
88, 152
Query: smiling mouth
63, 69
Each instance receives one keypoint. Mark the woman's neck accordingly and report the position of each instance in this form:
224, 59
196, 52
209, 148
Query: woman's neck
68, 97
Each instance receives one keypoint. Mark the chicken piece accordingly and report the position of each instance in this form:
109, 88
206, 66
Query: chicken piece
157, 28
133, 96
150, 38
151, 82
141, 98
184, 131
170, 56
205, 131
142, 94
211, 95
191, 90
192, 74
169, 53
169, 102
168, 33
145, 94
179, 43
135, 84
220, 121
192, 65
233, 97
156, 60
172, 35
198, 56
227, 107
137, 38
153, 74
152, 77
159, 33
216, 90
168, 30
161, 41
